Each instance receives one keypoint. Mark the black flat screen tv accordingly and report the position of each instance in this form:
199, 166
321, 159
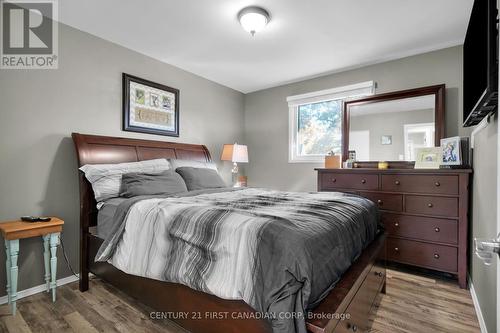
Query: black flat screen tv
480, 57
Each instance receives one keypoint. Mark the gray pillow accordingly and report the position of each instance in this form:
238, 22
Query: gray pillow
135, 184
200, 178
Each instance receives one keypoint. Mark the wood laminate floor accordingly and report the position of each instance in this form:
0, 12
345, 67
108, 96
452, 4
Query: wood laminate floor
412, 304
422, 304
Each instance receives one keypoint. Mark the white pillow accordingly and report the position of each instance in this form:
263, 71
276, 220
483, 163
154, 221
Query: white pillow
106, 179
193, 164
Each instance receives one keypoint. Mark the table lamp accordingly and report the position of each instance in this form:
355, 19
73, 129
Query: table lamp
237, 154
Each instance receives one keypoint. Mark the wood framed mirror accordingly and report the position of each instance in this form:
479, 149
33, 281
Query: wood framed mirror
390, 126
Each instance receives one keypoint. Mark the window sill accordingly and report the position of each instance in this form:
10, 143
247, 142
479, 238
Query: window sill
310, 161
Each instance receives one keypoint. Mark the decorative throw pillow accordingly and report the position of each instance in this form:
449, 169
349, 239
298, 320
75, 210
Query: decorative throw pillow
106, 178
135, 184
200, 178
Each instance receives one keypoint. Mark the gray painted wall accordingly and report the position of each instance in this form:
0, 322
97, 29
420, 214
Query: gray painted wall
266, 112
484, 218
388, 124
40, 109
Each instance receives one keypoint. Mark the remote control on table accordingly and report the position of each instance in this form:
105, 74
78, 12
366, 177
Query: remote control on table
32, 219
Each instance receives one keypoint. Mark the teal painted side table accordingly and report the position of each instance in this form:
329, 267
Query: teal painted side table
12, 232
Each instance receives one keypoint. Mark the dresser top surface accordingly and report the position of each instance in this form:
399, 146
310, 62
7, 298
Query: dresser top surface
398, 171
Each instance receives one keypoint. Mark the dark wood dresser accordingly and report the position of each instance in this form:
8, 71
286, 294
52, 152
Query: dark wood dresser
425, 212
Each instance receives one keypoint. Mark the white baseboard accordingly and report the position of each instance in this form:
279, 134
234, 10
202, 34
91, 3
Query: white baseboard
39, 289
479, 313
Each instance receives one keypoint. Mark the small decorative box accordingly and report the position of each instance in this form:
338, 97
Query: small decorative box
333, 162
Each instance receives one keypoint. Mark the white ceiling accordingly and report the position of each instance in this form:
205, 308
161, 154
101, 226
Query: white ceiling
305, 38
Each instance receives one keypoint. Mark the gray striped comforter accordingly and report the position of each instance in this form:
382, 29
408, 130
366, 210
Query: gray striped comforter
280, 252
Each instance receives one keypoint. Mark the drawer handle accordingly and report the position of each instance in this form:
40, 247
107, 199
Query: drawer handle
379, 274
354, 328
430, 205
436, 229
437, 184
396, 249
380, 202
363, 181
334, 180
397, 182
396, 224
436, 256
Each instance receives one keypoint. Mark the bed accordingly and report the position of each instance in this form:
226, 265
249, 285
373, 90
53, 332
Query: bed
345, 308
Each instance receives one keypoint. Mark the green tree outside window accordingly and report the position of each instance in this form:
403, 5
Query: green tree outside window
319, 128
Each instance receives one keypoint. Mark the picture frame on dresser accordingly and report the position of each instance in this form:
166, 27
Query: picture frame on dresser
452, 151
428, 158
425, 212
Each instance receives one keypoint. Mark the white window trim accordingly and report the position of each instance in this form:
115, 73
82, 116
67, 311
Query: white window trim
350, 91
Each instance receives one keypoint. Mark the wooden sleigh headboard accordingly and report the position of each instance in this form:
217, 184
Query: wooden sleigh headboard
93, 149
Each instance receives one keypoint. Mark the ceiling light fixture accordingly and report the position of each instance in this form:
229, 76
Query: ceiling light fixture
253, 19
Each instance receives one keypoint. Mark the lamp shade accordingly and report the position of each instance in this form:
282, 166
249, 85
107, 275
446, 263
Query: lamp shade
235, 153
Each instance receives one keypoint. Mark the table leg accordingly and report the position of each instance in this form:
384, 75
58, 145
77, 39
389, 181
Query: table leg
13, 249
54, 241
46, 260
7, 269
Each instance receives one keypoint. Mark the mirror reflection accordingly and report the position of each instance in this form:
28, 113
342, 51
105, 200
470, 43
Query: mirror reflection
391, 130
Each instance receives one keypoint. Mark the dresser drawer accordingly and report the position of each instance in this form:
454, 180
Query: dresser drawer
392, 202
349, 181
427, 255
438, 206
424, 228
430, 184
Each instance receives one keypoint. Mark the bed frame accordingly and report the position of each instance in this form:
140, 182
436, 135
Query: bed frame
345, 309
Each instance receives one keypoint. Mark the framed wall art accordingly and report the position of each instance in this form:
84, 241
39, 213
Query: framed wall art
386, 140
150, 107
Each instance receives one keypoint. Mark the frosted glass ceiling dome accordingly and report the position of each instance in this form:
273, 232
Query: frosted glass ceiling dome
253, 19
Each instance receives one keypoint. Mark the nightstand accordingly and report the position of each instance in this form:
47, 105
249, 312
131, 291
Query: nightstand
12, 232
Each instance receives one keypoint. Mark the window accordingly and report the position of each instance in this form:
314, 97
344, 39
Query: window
315, 124
319, 128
